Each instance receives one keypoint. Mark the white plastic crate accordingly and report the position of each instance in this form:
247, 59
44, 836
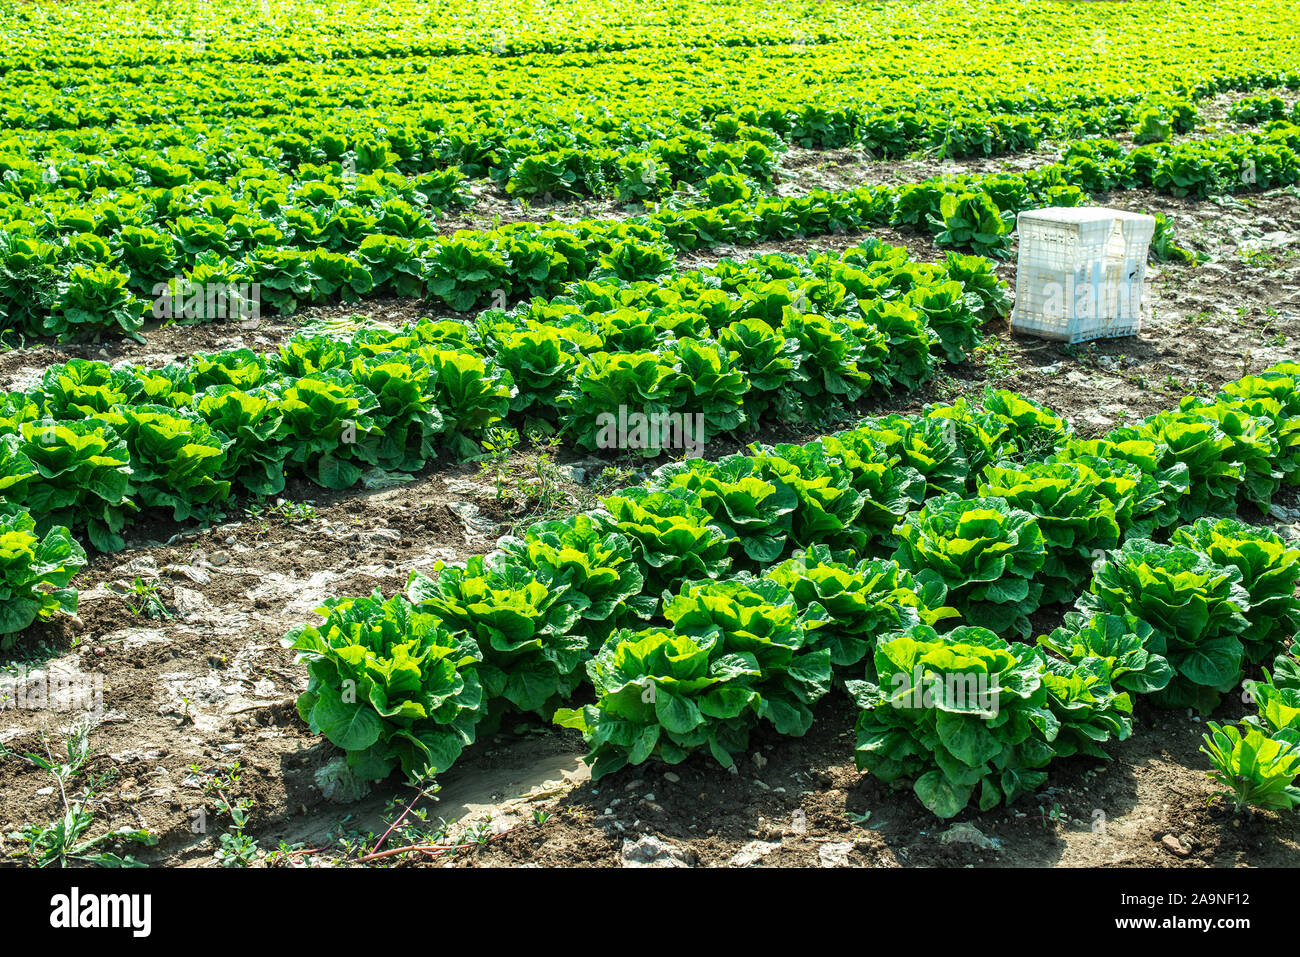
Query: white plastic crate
1081, 272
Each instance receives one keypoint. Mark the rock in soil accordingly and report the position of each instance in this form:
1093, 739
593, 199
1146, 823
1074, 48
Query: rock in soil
649, 851
834, 855
752, 853
1174, 846
968, 834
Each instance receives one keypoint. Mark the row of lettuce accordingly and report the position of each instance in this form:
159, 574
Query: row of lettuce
106, 266
902, 558
97, 220
92, 445
185, 169
169, 107
100, 37
96, 446
730, 593
560, 161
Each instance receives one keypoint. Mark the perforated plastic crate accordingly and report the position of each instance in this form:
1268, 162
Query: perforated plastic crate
1081, 272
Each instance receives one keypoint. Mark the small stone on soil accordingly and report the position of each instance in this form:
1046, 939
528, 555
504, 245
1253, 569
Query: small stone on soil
834, 855
649, 851
752, 852
1174, 846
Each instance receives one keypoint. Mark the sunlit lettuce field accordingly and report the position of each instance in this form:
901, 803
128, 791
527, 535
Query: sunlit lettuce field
615, 416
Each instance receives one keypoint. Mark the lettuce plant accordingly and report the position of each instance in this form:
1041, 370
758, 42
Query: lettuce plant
16, 471
1196, 441
889, 489
673, 538
756, 515
1274, 394
1286, 668
389, 685
167, 386
471, 392
1252, 766
605, 384
766, 293
874, 358
305, 354
1256, 109
928, 445
1281, 421
708, 382
964, 717
1034, 430
80, 388
1130, 475
390, 260
625, 330
258, 444
956, 328
1121, 641
94, 297
1195, 607
1276, 699
1091, 711
632, 261
987, 553
973, 221
1270, 573
768, 357
862, 602
35, 572
1259, 761
81, 478
827, 502
242, 368
759, 618
29, 270
1074, 515
979, 279
175, 457
532, 653
917, 204
664, 695
909, 340
405, 413
593, 568
982, 437
329, 416
830, 359
462, 272
541, 361
1254, 447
